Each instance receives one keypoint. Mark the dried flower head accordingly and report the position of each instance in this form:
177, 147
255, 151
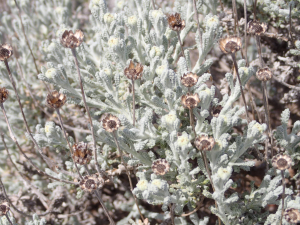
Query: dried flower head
5, 52
189, 79
175, 22
292, 215
55, 99
204, 143
215, 111
70, 39
256, 28
190, 101
282, 162
3, 95
264, 74
133, 72
91, 182
4, 208
111, 123
82, 154
160, 167
230, 44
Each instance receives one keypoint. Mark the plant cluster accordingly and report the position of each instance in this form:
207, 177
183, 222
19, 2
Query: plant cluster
109, 116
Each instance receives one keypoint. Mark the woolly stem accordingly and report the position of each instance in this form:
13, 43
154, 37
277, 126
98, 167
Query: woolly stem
127, 172
133, 103
179, 39
283, 196
87, 110
198, 25
240, 82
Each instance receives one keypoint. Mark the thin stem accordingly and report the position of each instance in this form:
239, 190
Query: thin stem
240, 82
45, 158
27, 43
127, 172
179, 39
259, 51
133, 103
112, 222
29, 160
196, 209
253, 104
254, 10
267, 112
87, 110
198, 25
8, 219
290, 30
153, 4
245, 31
283, 195
171, 214
192, 121
65, 135
235, 16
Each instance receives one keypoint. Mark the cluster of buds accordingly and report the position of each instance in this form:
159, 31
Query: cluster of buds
72, 40
56, 100
231, 44
110, 123
175, 22
204, 143
282, 162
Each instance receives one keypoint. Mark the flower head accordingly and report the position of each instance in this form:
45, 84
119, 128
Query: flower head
264, 74
91, 182
160, 167
190, 101
230, 44
142, 185
3, 95
282, 162
204, 143
56, 100
189, 79
111, 123
256, 28
5, 52
70, 39
82, 154
224, 173
215, 111
292, 215
175, 22
133, 72
4, 208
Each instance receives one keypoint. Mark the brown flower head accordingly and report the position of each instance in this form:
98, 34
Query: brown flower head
175, 22
55, 99
5, 52
215, 111
111, 123
189, 79
282, 162
70, 39
264, 74
292, 215
4, 208
160, 167
190, 101
82, 154
133, 72
230, 44
256, 28
204, 143
3, 95
91, 182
